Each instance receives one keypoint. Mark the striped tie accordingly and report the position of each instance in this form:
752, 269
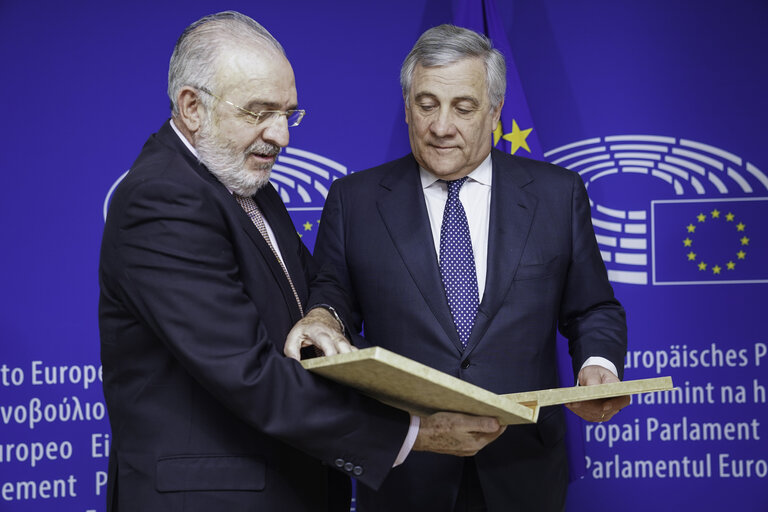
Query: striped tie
253, 211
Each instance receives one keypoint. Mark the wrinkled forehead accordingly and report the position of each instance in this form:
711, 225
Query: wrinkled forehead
463, 78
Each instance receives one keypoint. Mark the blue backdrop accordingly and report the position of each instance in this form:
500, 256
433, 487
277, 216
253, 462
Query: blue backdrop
655, 103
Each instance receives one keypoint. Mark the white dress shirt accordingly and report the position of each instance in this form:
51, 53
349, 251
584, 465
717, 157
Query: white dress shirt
475, 196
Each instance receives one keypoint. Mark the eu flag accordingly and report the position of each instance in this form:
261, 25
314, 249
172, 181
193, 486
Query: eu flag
710, 241
514, 134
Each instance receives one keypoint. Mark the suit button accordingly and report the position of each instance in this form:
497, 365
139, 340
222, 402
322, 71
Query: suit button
339, 462
348, 466
465, 364
357, 471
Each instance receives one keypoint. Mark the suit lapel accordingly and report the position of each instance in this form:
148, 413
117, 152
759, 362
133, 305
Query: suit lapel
512, 211
400, 202
268, 256
265, 198
285, 234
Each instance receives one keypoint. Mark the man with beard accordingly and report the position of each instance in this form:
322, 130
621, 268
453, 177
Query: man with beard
202, 275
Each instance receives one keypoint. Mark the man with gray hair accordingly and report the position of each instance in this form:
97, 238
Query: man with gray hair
202, 275
468, 260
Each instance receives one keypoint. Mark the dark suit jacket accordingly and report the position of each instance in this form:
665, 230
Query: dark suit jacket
544, 272
206, 413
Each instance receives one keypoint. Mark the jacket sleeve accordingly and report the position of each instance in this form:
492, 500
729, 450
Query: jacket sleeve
336, 287
590, 316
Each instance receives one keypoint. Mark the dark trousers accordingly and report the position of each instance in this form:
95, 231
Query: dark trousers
470, 497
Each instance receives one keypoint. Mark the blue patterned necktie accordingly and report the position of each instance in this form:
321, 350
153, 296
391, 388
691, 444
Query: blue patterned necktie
457, 263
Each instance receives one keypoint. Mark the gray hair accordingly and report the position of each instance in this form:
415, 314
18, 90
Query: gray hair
195, 55
448, 44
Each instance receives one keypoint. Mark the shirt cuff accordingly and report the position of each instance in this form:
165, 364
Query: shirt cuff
410, 439
599, 361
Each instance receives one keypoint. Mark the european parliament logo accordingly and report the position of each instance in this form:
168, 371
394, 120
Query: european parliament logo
302, 179
671, 211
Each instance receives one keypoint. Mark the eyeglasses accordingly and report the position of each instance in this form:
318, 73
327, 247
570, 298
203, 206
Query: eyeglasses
293, 117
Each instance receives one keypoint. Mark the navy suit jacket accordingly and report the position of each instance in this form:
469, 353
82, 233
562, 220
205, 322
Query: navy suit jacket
544, 272
206, 412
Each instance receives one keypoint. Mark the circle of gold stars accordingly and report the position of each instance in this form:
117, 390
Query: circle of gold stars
715, 216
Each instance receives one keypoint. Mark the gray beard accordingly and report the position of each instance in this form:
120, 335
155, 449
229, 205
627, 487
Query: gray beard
225, 162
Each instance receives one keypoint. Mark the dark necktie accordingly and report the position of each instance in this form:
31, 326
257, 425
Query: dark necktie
253, 211
457, 263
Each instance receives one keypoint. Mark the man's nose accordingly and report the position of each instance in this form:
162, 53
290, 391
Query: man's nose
443, 125
276, 131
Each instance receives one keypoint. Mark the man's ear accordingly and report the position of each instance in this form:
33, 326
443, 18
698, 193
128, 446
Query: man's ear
407, 110
190, 109
497, 114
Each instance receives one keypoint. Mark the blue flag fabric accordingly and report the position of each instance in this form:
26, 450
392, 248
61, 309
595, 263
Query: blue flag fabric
515, 134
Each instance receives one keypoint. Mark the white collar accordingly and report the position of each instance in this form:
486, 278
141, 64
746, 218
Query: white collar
482, 174
190, 147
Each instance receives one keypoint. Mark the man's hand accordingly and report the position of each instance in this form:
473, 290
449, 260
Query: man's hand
597, 410
320, 329
456, 434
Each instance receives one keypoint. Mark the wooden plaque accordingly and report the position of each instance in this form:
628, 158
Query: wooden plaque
560, 396
406, 384
414, 387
